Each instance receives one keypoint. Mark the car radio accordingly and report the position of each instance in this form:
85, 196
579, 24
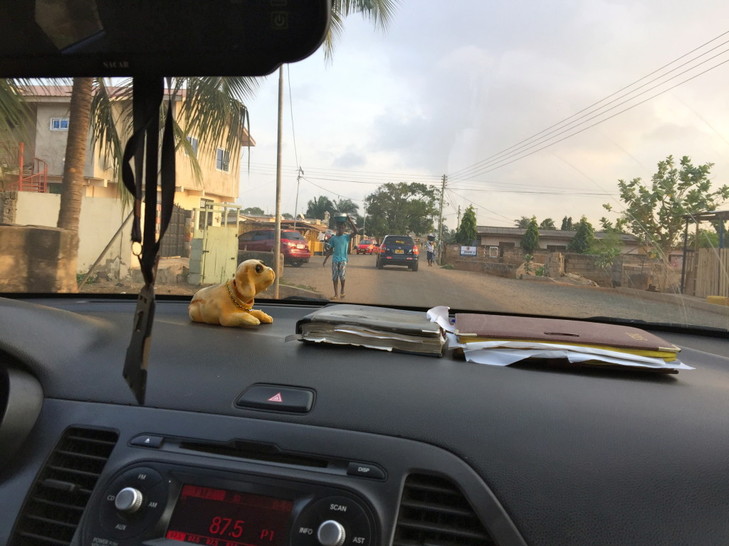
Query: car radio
167, 504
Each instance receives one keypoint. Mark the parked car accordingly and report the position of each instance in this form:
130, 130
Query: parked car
294, 247
398, 250
366, 246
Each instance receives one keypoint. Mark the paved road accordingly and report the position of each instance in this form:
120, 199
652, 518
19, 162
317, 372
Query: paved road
430, 286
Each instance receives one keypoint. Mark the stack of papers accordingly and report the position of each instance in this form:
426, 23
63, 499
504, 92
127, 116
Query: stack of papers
373, 327
500, 340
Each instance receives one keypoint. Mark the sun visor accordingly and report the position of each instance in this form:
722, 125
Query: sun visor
64, 38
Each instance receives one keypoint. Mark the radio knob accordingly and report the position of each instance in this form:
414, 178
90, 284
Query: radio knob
128, 500
331, 533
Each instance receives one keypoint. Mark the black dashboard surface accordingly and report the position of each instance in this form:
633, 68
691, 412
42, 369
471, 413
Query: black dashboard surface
545, 456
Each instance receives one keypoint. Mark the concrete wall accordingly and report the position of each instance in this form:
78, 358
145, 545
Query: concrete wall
36, 259
100, 219
631, 271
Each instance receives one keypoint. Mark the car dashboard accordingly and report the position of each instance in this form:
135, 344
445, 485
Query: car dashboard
249, 436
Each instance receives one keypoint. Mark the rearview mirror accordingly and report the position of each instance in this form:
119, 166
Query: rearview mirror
64, 38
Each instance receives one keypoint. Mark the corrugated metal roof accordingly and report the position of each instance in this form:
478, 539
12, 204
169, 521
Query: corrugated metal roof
491, 231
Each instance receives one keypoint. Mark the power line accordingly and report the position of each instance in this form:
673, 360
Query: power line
508, 160
361, 174
477, 205
565, 124
457, 173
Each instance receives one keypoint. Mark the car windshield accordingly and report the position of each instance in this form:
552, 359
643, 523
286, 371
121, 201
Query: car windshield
562, 159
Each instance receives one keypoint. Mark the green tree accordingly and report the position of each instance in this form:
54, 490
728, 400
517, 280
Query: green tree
401, 208
449, 236
522, 222
584, 239
253, 211
319, 206
347, 206
547, 223
467, 233
567, 224
655, 214
706, 239
530, 239
607, 249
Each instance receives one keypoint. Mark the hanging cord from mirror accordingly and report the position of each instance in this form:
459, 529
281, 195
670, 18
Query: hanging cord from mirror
153, 171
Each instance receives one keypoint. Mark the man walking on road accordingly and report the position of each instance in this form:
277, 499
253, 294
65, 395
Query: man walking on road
338, 245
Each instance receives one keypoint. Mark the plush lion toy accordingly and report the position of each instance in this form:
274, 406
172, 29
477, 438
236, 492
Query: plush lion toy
231, 303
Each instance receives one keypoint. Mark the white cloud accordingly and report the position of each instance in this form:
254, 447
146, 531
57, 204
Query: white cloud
449, 85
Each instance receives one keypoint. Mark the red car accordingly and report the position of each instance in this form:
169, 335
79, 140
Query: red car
366, 246
293, 245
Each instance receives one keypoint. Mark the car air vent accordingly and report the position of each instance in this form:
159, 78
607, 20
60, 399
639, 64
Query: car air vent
56, 503
434, 511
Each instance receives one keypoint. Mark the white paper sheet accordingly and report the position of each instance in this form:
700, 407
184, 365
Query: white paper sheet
504, 357
505, 352
440, 316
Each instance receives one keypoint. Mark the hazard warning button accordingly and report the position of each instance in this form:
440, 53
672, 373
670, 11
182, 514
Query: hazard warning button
277, 398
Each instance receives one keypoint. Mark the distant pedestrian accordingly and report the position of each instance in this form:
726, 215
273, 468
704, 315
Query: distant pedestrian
338, 248
430, 252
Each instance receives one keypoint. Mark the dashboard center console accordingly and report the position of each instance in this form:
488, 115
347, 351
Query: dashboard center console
166, 503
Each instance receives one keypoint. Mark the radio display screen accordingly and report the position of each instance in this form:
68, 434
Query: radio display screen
219, 517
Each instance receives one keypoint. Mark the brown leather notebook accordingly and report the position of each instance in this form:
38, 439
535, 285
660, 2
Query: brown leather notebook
476, 327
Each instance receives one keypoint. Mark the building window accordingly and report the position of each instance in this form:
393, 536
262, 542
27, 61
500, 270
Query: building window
59, 124
222, 160
206, 213
193, 144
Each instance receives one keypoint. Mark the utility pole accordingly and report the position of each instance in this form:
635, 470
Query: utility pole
277, 266
441, 247
296, 203
458, 223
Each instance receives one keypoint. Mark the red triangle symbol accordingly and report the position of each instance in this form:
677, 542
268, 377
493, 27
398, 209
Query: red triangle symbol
276, 398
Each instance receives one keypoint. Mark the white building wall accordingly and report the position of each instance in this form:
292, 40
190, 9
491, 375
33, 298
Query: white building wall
100, 219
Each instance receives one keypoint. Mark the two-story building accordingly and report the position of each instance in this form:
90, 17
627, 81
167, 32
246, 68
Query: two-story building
32, 163
45, 140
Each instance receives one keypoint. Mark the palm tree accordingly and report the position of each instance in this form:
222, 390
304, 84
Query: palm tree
319, 206
213, 109
14, 116
13, 110
73, 168
378, 11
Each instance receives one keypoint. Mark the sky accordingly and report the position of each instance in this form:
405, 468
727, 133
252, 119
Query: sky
529, 108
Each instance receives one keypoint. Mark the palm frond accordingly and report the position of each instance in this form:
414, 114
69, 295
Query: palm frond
214, 112
182, 142
14, 112
378, 11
